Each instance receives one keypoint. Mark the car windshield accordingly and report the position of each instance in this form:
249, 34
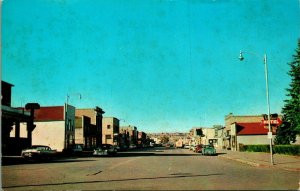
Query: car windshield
106, 146
40, 147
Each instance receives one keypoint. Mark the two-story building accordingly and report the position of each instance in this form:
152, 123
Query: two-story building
110, 130
132, 134
88, 127
55, 127
208, 136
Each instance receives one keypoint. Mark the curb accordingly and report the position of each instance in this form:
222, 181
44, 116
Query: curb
259, 165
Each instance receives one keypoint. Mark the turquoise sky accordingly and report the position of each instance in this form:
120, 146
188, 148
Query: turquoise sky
161, 65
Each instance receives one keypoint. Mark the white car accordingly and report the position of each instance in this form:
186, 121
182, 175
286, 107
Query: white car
105, 150
192, 148
38, 152
132, 146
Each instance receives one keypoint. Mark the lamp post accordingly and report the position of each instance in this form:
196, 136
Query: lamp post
268, 98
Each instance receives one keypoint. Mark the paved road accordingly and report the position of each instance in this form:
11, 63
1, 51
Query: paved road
153, 169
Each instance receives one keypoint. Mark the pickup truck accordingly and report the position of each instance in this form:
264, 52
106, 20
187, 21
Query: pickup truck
38, 152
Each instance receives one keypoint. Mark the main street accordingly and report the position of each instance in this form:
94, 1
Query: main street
150, 169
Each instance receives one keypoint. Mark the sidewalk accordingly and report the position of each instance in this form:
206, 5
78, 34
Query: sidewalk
258, 159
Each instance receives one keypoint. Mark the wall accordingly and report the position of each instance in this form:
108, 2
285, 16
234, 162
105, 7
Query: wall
70, 126
209, 133
253, 140
87, 112
79, 130
229, 119
49, 133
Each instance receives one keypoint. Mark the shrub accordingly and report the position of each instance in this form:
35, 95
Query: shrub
257, 148
287, 149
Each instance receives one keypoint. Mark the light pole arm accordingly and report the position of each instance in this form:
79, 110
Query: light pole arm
252, 53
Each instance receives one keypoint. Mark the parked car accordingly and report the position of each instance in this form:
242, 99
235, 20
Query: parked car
105, 150
77, 148
187, 146
208, 150
132, 146
192, 147
38, 152
198, 148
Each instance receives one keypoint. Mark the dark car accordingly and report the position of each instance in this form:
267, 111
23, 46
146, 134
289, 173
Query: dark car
198, 149
208, 150
105, 149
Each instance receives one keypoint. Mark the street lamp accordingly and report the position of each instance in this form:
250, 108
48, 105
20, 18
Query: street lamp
68, 96
268, 99
67, 121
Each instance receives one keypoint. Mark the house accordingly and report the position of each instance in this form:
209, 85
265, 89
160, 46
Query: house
55, 127
11, 120
110, 130
249, 134
88, 127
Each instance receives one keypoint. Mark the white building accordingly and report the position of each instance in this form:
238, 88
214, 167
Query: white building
55, 127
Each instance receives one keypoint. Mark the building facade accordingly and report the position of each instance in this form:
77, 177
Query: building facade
236, 126
132, 134
14, 121
110, 130
88, 128
208, 136
55, 127
142, 139
219, 135
249, 134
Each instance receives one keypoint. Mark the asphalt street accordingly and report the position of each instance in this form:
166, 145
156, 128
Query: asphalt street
148, 169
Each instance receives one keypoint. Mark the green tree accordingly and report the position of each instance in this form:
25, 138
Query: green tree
290, 127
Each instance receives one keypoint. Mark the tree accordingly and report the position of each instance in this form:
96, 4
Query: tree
290, 127
164, 139
285, 134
